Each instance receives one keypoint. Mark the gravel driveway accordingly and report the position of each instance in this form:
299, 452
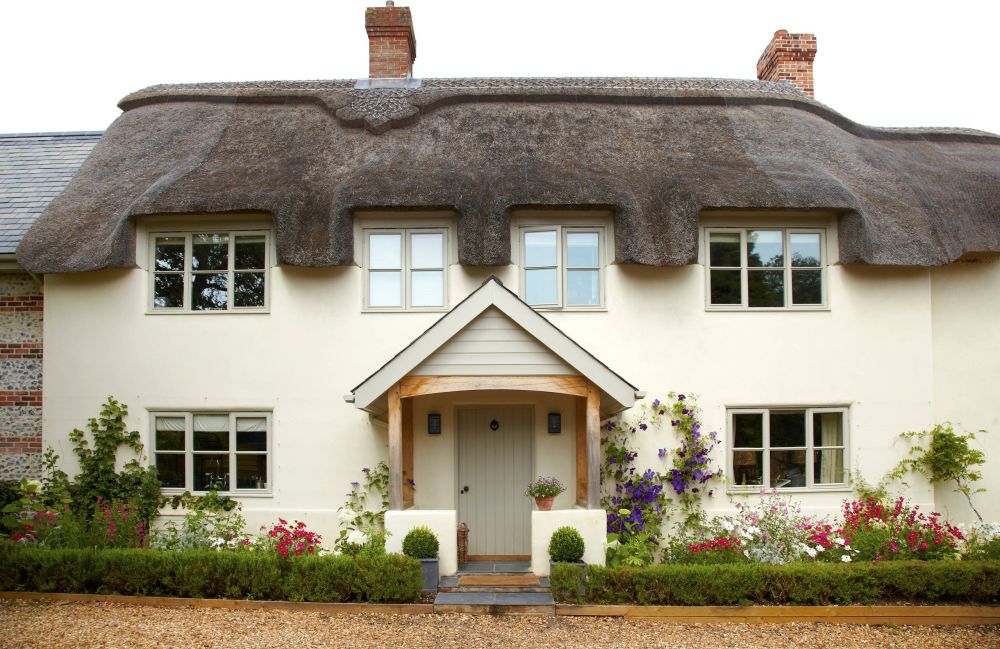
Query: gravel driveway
35, 624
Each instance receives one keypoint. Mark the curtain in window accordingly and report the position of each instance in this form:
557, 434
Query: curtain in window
832, 462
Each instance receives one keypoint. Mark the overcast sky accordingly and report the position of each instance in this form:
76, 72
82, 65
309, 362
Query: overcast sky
66, 64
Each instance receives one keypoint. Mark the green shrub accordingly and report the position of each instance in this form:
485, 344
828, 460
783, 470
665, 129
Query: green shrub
984, 551
566, 545
421, 543
923, 582
209, 574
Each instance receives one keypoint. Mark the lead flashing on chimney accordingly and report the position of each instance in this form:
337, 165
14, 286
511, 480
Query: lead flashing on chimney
372, 84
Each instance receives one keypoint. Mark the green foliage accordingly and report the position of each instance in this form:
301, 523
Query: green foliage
791, 584
868, 491
636, 550
360, 521
985, 551
566, 545
941, 455
209, 502
97, 452
202, 573
10, 491
210, 522
420, 543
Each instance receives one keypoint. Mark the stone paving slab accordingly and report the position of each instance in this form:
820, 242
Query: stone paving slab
493, 598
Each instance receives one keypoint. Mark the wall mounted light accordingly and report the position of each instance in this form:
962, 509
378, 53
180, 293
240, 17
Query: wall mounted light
434, 423
555, 422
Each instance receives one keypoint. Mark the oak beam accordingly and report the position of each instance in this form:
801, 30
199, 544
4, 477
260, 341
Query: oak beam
407, 452
415, 386
581, 452
593, 447
395, 449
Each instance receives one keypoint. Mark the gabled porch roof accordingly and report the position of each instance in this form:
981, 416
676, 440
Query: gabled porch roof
616, 393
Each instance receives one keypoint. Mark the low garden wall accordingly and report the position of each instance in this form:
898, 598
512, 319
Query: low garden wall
442, 522
590, 523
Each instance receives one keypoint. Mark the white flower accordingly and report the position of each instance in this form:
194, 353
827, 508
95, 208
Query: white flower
847, 547
811, 552
846, 558
839, 541
820, 548
346, 515
357, 536
728, 526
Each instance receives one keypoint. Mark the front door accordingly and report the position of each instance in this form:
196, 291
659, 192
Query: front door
494, 469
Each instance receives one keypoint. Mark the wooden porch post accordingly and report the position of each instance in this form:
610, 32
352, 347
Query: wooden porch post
593, 447
395, 449
407, 452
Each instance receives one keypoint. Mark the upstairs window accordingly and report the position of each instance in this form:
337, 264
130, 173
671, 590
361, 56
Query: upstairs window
562, 267
405, 269
202, 451
765, 268
204, 272
788, 448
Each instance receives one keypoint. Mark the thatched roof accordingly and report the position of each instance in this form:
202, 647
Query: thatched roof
657, 151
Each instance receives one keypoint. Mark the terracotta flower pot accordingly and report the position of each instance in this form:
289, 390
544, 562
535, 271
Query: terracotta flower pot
544, 503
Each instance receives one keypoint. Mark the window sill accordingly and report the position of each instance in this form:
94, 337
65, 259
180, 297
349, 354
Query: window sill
231, 494
755, 490
571, 309
211, 312
769, 309
393, 310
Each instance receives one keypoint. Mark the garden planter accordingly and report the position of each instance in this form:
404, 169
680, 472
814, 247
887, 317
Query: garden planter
544, 503
429, 570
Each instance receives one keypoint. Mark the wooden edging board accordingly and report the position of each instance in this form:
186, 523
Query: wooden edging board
899, 615
896, 615
311, 607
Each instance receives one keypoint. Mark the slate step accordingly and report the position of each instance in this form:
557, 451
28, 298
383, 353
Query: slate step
495, 567
487, 580
495, 603
493, 589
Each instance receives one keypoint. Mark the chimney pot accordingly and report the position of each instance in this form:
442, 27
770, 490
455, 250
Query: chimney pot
789, 58
392, 45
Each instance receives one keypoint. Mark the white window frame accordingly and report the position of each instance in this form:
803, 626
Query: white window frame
189, 451
562, 266
188, 236
744, 269
405, 268
809, 448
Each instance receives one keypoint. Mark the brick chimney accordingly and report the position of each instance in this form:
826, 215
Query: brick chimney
789, 57
392, 47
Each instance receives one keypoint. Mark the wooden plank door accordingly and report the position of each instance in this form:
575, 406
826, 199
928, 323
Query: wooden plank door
494, 468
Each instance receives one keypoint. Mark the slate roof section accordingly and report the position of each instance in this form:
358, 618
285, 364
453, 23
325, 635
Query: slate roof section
34, 169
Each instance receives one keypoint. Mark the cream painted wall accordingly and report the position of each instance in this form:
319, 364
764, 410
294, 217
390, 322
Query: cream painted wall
966, 321
874, 351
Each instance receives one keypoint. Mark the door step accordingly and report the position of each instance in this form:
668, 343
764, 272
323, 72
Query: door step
495, 603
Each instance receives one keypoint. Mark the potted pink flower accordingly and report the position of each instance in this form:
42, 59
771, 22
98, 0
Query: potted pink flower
544, 490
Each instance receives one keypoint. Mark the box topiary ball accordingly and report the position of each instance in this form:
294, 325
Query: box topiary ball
566, 545
420, 543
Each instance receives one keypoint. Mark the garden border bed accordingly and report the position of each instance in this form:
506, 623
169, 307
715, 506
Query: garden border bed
892, 615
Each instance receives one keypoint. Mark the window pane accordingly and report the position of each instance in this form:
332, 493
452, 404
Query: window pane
210, 252
251, 434
766, 288
384, 288
209, 292
250, 252
765, 248
211, 432
251, 472
169, 434
748, 431
788, 428
828, 429
807, 287
726, 287
724, 249
788, 468
427, 288
211, 470
828, 466
748, 467
427, 250
248, 289
384, 251
169, 253
168, 291
805, 249
170, 470
583, 287
541, 286
582, 250
540, 248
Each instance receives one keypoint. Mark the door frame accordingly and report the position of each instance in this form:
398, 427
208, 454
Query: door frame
457, 472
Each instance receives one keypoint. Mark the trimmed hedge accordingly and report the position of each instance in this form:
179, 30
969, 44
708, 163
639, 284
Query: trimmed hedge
208, 574
918, 582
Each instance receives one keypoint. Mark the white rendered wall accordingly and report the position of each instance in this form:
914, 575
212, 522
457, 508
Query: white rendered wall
966, 320
590, 523
873, 351
442, 522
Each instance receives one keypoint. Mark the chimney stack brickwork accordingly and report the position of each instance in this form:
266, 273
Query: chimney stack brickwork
392, 46
789, 57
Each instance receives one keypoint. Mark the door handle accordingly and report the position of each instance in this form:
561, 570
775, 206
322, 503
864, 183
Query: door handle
464, 490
